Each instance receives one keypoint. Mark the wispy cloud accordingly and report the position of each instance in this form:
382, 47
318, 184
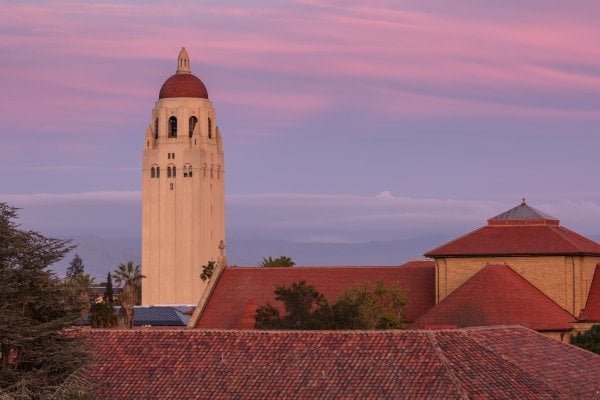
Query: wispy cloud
49, 198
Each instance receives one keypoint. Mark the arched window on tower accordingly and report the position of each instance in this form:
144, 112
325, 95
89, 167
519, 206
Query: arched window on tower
172, 127
168, 172
209, 128
187, 171
152, 172
158, 172
193, 122
174, 171
156, 128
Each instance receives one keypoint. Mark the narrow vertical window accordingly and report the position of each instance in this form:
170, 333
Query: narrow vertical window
172, 127
209, 128
158, 172
168, 172
190, 171
152, 172
174, 171
156, 128
185, 172
193, 122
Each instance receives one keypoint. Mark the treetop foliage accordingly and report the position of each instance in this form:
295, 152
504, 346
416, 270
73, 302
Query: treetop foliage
359, 307
76, 267
589, 340
37, 359
208, 270
282, 261
129, 277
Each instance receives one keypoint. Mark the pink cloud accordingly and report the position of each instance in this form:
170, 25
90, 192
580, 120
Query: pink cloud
337, 44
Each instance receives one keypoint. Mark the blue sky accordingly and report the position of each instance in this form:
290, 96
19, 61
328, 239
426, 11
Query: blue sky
342, 121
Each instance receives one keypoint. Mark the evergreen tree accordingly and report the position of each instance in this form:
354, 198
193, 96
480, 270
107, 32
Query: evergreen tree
38, 360
108, 290
76, 267
589, 340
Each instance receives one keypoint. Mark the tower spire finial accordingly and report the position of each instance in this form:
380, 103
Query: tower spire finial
183, 62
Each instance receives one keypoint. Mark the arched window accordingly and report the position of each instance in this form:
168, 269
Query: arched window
174, 171
190, 171
172, 127
209, 128
193, 122
158, 172
168, 172
152, 172
185, 171
156, 128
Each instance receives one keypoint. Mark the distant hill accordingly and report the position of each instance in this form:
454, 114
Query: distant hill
103, 254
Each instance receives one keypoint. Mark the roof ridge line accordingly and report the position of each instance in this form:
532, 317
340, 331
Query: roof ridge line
561, 234
533, 286
449, 371
510, 360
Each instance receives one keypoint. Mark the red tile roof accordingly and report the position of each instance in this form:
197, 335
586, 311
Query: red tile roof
591, 312
499, 363
497, 295
241, 290
518, 240
183, 85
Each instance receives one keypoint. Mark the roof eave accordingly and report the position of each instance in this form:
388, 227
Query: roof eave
529, 254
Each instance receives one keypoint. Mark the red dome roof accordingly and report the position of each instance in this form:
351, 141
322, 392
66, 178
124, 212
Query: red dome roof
183, 85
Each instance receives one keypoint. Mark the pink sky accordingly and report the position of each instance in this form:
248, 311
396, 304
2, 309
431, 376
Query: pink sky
478, 103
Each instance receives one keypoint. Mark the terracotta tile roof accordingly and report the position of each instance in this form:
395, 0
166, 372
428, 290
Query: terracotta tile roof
591, 312
518, 240
242, 289
183, 85
497, 295
499, 363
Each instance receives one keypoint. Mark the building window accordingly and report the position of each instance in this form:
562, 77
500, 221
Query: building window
172, 127
168, 172
158, 172
185, 171
171, 186
152, 172
156, 128
190, 171
174, 171
193, 122
209, 128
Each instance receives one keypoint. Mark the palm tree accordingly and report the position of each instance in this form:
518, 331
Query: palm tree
129, 278
282, 261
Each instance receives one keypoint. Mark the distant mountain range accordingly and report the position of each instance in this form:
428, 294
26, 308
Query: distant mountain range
102, 254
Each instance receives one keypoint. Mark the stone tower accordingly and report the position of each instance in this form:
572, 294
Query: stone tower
183, 200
